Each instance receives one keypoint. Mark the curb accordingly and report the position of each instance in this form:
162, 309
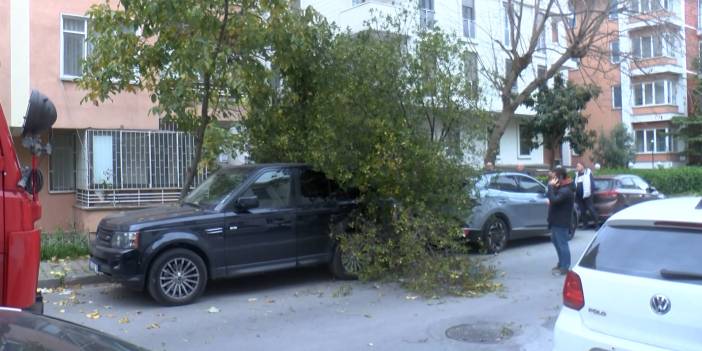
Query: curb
71, 281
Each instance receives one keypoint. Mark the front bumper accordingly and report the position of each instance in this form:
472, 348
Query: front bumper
122, 266
570, 334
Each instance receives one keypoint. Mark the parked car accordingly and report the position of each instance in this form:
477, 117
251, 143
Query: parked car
637, 286
28, 331
613, 193
242, 220
510, 205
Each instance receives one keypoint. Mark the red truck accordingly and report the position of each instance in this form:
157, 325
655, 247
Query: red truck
20, 208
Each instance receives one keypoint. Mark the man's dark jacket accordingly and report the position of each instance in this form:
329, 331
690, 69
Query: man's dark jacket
560, 206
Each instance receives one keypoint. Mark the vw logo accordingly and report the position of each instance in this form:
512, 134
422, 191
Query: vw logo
660, 304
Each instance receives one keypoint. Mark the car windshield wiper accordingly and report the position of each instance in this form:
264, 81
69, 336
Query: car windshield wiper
191, 204
671, 274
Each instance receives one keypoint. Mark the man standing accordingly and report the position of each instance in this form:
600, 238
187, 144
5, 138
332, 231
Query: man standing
584, 186
560, 197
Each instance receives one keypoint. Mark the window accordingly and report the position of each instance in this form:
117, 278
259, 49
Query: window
471, 67
653, 46
504, 183
654, 93
617, 96
524, 142
426, 13
74, 46
554, 30
654, 140
314, 187
644, 6
541, 71
508, 69
62, 162
468, 10
541, 44
616, 56
613, 9
272, 189
529, 185
507, 26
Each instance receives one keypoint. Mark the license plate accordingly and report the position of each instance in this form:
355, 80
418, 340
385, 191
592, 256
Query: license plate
93, 266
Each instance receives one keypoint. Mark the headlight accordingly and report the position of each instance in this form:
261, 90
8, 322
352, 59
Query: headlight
125, 240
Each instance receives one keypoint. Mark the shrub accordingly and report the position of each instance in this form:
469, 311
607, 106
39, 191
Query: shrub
669, 181
64, 244
615, 149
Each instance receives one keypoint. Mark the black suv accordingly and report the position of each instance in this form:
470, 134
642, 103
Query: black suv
241, 220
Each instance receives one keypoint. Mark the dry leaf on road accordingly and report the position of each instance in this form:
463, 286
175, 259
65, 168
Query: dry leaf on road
93, 315
123, 320
213, 309
153, 326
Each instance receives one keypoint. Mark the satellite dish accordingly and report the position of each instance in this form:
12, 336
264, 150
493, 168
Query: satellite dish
41, 115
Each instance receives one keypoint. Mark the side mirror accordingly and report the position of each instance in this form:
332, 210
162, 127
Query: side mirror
41, 115
246, 203
651, 190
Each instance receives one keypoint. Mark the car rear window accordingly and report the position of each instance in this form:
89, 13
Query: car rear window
602, 184
645, 252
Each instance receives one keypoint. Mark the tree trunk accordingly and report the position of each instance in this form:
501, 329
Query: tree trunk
498, 129
199, 140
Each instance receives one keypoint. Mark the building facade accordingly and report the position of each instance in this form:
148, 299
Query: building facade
648, 78
480, 24
105, 158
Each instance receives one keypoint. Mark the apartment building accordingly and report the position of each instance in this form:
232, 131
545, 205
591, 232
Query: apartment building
649, 76
480, 23
105, 158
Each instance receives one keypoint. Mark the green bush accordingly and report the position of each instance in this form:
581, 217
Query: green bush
669, 181
64, 244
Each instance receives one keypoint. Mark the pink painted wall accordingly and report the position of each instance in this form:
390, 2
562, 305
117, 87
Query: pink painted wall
5, 57
125, 111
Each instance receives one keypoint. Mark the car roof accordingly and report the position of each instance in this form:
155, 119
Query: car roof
674, 210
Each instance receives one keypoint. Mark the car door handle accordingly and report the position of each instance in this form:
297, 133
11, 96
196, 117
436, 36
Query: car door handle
233, 227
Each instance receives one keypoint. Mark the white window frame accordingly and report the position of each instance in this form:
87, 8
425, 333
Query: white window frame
648, 144
666, 44
614, 106
669, 94
541, 43
65, 76
638, 6
468, 22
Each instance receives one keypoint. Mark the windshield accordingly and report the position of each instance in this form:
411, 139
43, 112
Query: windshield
213, 190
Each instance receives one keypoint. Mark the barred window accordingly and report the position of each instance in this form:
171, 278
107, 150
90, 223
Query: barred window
62, 162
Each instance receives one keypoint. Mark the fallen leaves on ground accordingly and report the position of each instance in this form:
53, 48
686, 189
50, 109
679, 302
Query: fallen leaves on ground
93, 315
123, 320
213, 309
153, 326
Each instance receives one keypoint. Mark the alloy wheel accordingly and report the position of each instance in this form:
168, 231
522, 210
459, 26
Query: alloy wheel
179, 278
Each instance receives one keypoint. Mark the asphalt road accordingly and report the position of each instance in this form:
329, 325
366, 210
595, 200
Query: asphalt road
307, 310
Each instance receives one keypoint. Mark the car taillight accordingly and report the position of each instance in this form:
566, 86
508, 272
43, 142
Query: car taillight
573, 295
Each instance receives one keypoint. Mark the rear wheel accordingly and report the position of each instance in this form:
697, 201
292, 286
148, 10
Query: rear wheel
345, 265
573, 225
495, 234
177, 277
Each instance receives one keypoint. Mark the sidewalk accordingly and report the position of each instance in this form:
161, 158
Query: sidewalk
66, 273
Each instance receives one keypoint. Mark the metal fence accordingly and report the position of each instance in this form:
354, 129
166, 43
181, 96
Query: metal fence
127, 167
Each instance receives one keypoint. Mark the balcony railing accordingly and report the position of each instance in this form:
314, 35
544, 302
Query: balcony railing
426, 18
132, 168
469, 28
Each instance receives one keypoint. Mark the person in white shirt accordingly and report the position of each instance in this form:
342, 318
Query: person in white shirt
584, 189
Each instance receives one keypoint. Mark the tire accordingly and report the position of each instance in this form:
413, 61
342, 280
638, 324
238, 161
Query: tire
345, 266
177, 277
495, 235
573, 225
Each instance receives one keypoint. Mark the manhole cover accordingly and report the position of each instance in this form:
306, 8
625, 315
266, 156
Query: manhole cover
483, 333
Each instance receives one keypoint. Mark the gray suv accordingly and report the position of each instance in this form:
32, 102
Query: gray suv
509, 205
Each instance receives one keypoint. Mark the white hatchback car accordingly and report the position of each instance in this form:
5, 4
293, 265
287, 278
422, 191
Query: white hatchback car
638, 286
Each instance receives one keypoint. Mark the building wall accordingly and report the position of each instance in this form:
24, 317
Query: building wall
124, 111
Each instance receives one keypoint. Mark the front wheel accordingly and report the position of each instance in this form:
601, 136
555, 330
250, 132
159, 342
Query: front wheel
495, 234
177, 277
345, 265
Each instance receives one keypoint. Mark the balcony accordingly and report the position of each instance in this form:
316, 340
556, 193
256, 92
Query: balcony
469, 28
655, 65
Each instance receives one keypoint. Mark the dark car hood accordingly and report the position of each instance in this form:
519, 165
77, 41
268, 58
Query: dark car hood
126, 219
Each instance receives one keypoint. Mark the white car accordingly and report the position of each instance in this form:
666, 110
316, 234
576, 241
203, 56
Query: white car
638, 286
